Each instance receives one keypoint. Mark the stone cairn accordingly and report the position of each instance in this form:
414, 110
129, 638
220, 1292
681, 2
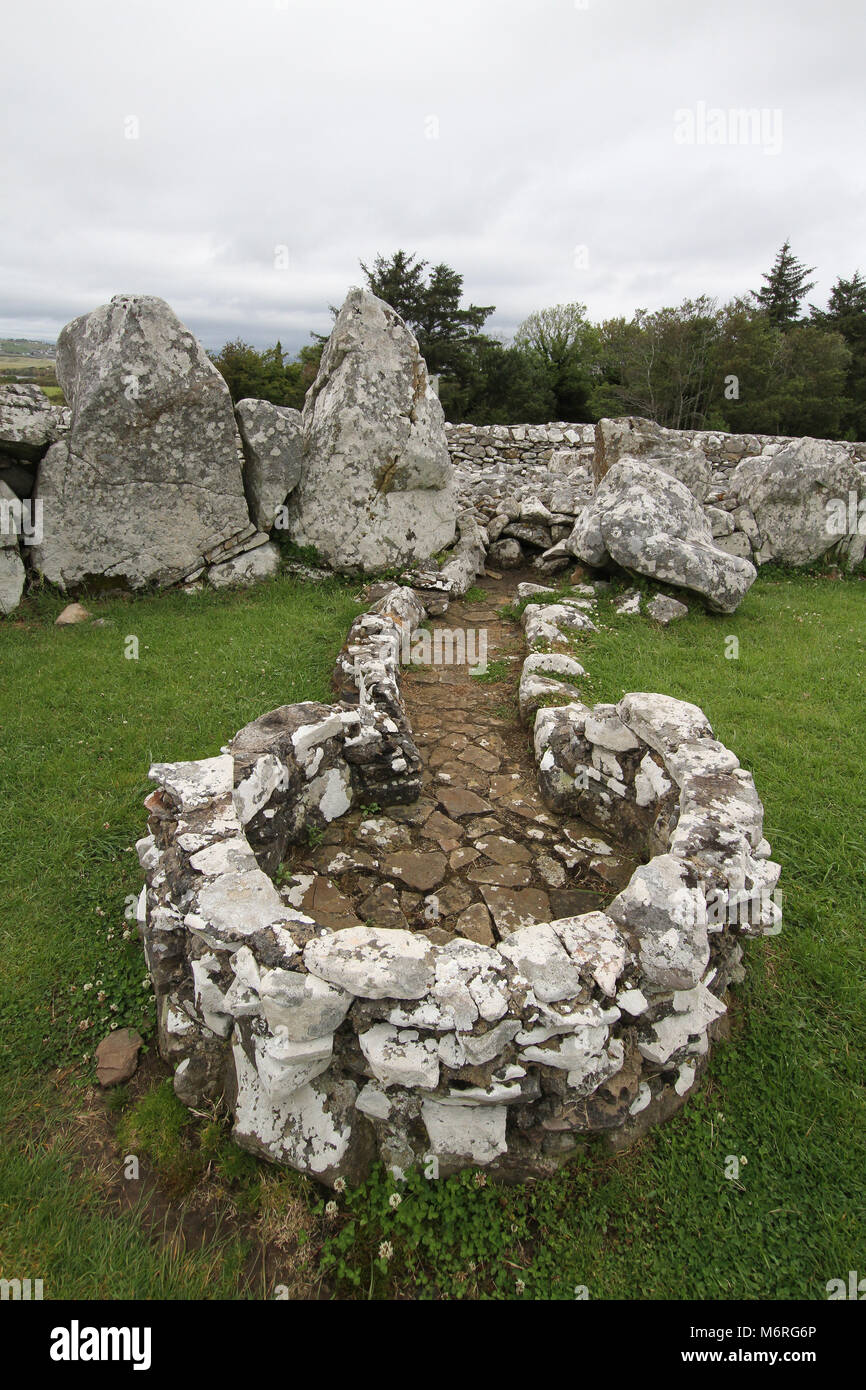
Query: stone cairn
335, 1048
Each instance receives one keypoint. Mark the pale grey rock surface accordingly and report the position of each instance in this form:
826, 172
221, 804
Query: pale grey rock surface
670, 450
650, 523
790, 495
272, 444
666, 610
376, 488
246, 568
29, 423
146, 486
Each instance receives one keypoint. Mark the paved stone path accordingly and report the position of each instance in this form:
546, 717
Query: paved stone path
478, 854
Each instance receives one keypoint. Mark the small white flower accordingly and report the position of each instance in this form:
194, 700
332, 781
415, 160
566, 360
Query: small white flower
331, 1210
87, 987
386, 1250
394, 1200
520, 1286
340, 1185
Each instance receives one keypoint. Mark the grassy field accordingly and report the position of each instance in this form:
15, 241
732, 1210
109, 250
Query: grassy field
79, 725
39, 370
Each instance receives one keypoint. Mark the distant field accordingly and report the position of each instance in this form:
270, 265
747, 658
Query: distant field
39, 370
10, 362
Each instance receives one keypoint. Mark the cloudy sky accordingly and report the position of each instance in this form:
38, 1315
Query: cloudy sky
238, 157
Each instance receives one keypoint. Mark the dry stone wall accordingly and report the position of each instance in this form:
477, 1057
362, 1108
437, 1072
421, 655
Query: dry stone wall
335, 1048
528, 484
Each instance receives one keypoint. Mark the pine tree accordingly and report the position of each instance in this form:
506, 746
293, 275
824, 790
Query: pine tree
400, 282
846, 314
784, 289
430, 307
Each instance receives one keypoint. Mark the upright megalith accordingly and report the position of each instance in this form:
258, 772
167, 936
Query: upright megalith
376, 484
147, 486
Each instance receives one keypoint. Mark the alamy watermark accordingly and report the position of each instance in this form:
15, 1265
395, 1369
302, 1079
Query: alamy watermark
714, 125
744, 908
444, 647
846, 518
22, 519
20, 1290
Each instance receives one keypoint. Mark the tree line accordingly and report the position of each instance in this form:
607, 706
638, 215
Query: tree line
761, 363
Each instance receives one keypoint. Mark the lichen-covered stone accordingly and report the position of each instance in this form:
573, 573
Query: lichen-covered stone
376, 485
146, 487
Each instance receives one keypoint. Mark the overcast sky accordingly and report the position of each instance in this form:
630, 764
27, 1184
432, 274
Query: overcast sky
238, 157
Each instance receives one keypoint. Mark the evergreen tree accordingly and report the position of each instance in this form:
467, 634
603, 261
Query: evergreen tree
784, 289
846, 314
431, 308
400, 282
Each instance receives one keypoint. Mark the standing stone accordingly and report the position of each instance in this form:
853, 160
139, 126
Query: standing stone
271, 439
376, 489
147, 485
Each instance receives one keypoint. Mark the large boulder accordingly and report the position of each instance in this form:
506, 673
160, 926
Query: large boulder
799, 498
272, 444
29, 423
147, 486
376, 488
650, 523
634, 437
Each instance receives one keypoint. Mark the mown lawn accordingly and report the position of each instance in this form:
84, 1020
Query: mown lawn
79, 725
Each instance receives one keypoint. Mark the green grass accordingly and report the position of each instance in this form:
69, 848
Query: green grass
78, 727
80, 724
495, 671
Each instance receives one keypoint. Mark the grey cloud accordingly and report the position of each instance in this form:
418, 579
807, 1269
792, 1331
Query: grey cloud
307, 127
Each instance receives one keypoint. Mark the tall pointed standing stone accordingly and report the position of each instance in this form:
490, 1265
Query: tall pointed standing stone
376, 485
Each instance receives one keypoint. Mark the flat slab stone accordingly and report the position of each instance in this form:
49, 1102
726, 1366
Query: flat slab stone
506, 875
458, 801
416, 869
442, 828
511, 910
502, 850
328, 906
382, 908
475, 924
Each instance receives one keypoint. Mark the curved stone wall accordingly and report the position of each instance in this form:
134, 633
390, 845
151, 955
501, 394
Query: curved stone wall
335, 1048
